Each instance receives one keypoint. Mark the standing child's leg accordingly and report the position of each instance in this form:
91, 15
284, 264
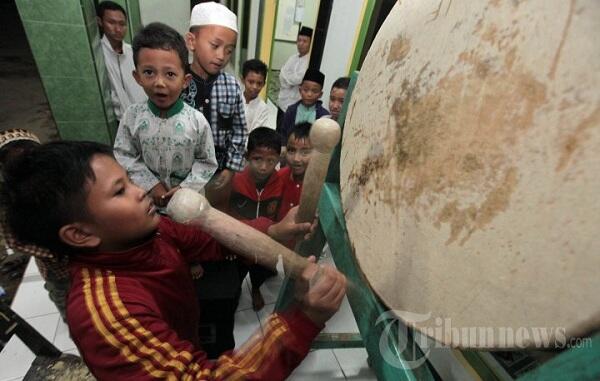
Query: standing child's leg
258, 276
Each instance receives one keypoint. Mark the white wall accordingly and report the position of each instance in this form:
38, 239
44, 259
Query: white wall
337, 54
311, 10
253, 28
174, 13
282, 50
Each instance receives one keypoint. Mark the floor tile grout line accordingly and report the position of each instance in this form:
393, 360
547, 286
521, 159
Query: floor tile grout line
36, 316
68, 349
339, 364
56, 329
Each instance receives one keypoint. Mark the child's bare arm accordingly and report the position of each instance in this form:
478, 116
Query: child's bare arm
288, 229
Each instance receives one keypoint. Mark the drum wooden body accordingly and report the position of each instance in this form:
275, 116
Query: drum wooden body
471, 168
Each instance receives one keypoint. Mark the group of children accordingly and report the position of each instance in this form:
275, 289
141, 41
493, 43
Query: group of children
131, 308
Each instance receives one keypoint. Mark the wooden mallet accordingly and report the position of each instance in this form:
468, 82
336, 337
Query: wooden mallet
190, 207
325, 134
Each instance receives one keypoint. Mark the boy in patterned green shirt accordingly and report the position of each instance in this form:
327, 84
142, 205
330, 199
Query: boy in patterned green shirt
163, 143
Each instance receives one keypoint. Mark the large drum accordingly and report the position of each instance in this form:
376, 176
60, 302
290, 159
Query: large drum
471, 169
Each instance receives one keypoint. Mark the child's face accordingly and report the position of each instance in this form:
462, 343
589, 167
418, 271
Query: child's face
262, 162
121, 214
298, 152
212, 46
336, 101
160, 72
303, 45
310, 92
253, 84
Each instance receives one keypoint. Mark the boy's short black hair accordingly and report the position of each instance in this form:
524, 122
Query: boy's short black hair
264, 137
13, 149
157, 35
341, 83
46, 188
301, 131
256, 66
108, 6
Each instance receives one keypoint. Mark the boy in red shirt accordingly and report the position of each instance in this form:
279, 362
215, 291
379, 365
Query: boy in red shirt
256, 192
131, 309
297, 157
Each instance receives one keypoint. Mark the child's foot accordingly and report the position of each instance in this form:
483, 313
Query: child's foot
257, 300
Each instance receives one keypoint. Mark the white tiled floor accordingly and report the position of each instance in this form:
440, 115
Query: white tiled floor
16, 358
33, 304
322, 364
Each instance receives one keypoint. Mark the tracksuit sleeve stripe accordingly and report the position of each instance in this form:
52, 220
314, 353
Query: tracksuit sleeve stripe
149, 348
106, 334
149, 354
262, 350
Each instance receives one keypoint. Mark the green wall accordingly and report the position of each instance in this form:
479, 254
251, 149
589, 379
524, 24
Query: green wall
65, 42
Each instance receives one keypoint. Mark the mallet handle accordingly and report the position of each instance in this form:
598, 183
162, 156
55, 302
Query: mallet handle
324, 135
240, 238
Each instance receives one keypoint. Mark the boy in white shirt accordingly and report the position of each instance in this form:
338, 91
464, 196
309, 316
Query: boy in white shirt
163, 143
254, 74
292, 73
118, 57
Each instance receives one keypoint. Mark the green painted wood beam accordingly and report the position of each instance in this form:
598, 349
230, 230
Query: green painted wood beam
333, 340
362, 35
393, 353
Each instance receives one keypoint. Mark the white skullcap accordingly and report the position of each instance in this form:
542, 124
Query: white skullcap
212, 13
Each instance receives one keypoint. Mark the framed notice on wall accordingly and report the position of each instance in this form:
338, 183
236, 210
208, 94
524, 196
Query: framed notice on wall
287, 28
299, 14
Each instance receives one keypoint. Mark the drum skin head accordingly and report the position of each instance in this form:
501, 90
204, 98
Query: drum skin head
470, 169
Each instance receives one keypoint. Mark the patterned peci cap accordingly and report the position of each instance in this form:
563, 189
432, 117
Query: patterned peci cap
12, 135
